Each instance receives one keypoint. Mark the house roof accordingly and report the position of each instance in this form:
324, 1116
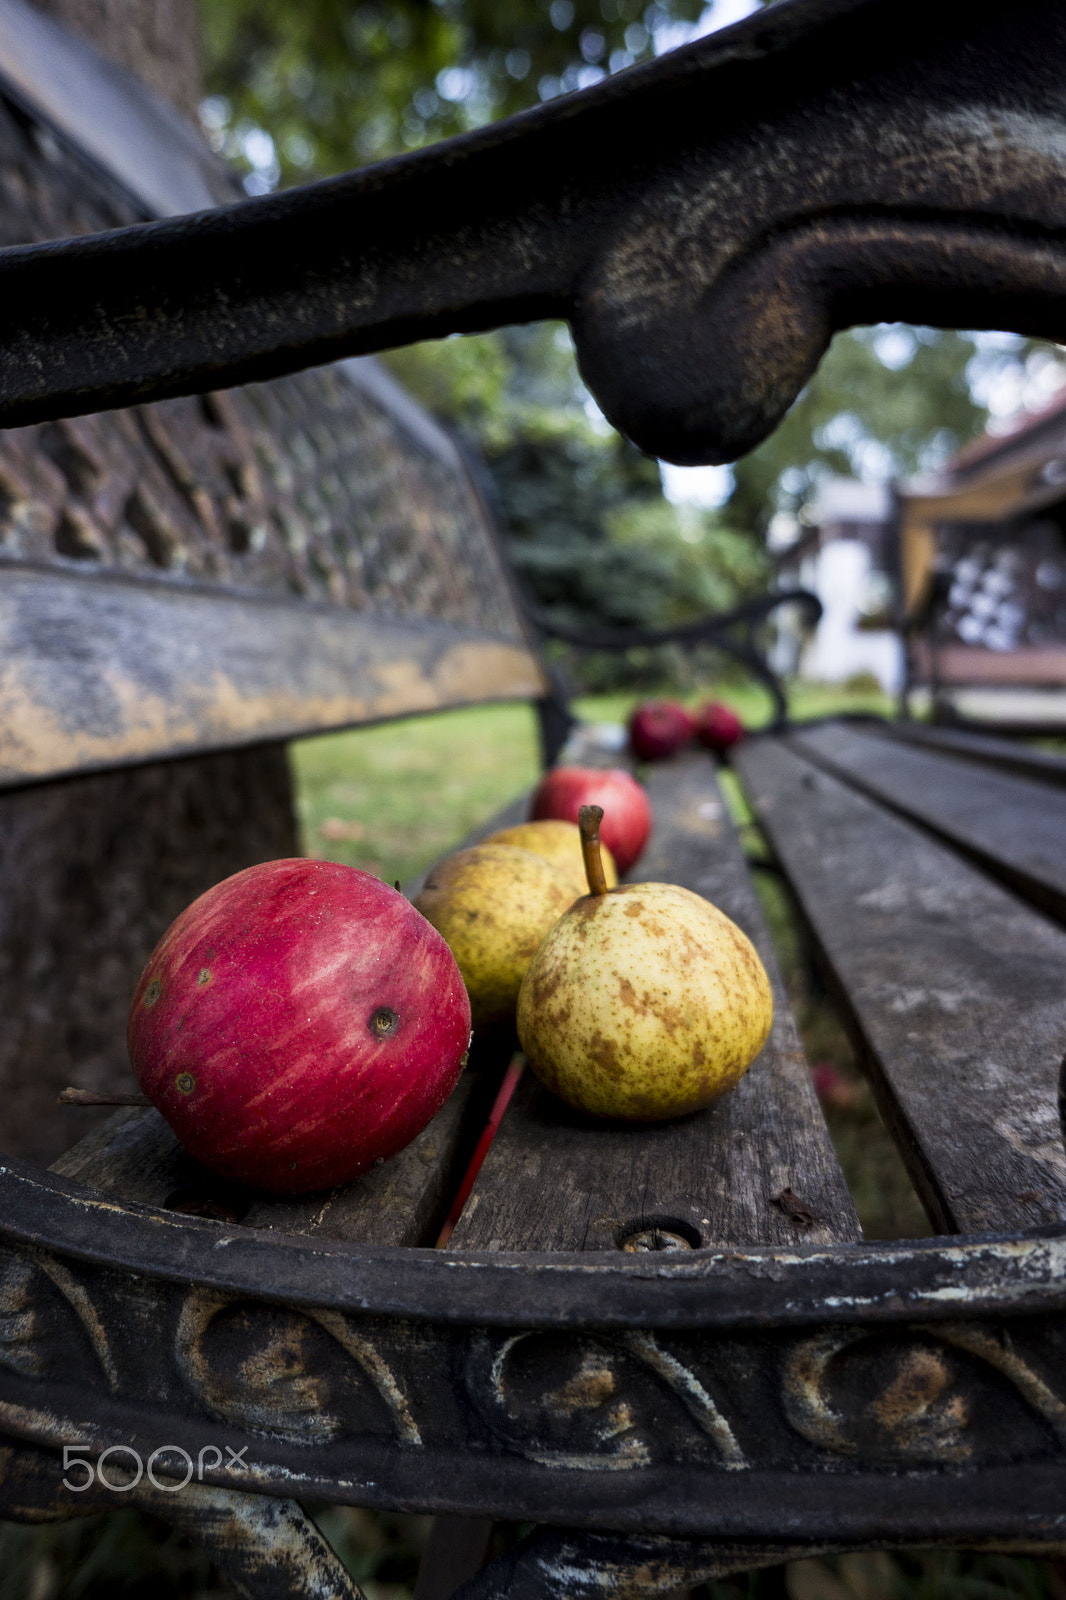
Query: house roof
1025, 430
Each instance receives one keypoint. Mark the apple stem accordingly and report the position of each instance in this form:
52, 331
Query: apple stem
90, 1097
588, 820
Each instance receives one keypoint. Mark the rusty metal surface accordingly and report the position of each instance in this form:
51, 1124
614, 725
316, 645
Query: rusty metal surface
851, 1393
705, 222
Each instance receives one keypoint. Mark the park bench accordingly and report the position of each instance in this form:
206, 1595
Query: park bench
982, 564
668, 1347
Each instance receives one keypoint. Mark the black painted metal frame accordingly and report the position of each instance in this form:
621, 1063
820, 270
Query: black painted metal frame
774, 1395
704, 223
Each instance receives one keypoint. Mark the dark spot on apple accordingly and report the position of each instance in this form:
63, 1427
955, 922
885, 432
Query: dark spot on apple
464, 1058
185, 1083
152, 993
383, 1022
204, 975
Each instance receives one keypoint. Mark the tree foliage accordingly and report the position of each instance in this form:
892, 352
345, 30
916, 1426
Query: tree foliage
863, 415
589, 531
336, 83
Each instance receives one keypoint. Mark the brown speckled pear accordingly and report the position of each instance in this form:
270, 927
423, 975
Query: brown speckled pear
560, 843
643, 1002
493, 904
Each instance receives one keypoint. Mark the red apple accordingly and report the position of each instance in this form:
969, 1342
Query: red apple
297, 1023
626, 812
718, 727
658, 728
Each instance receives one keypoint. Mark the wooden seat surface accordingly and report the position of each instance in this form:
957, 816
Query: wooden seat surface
954, 985
554, 1180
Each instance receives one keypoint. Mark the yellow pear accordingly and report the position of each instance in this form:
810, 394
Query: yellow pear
560, 843
493, 904
643, 1002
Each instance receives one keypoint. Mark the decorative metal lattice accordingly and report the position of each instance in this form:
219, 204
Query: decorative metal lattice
305, 487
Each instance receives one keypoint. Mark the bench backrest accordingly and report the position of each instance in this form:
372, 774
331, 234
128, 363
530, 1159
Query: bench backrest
199, 578
202, 573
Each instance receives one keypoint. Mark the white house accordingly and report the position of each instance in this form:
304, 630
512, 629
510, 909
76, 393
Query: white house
843, 550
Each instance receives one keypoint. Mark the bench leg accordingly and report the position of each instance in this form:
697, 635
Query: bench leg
455, 1552
561, 1564
270, 1549
564, 1564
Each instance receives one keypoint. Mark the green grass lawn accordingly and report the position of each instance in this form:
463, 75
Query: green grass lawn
391, 799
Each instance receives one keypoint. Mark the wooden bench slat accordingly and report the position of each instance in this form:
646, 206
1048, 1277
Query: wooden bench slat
1007, 755
136, 1156
957, 989
1014, 828
554, 1180
101, 673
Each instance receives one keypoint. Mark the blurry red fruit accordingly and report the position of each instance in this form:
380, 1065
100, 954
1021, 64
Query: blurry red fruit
658, 728
832, 1088
626, 812
718, 727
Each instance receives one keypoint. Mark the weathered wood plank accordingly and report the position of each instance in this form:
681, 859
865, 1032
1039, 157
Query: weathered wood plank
107, 112
136, 1156
101, 673
957, 990
1009, 825
1009, 755
555, 1180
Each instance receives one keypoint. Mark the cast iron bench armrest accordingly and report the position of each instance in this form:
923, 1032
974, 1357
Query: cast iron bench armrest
704, 222
716, 629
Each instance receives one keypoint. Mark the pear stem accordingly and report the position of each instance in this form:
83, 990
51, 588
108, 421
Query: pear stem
588, 820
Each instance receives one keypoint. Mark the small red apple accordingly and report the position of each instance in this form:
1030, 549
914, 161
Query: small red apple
718, 727
297, 1023
658, 728
626, 811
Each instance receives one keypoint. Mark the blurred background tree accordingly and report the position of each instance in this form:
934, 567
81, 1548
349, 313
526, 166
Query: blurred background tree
300, 89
